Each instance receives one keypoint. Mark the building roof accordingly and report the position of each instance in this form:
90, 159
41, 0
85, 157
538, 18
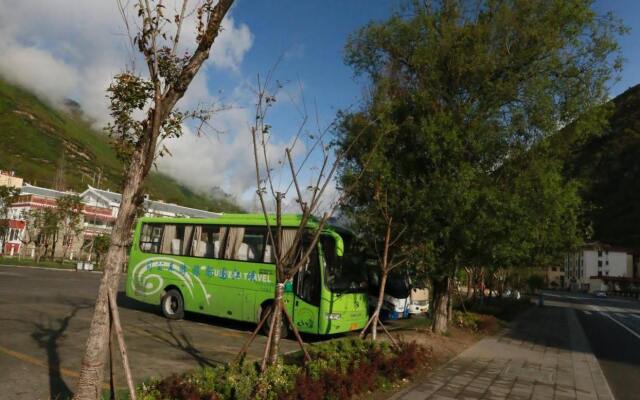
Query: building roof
157, 206
43, 192
114, 199
179, 210
608, 247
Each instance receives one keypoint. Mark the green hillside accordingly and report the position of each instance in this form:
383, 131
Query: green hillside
38, 140
608, 166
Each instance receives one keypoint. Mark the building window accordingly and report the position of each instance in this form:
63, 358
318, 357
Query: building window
600, 263
67, 240
14, 234
607, 262
599, 253
599, 273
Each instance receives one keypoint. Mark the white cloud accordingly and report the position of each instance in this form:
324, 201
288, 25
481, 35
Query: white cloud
232, 44
40, 70
226, 159
71, 48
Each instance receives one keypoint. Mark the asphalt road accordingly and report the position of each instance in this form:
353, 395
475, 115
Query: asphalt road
612, 326
44, 322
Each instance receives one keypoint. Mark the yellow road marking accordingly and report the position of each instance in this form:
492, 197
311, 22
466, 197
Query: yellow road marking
32, 360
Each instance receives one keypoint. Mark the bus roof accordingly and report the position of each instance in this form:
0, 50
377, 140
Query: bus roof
288, 220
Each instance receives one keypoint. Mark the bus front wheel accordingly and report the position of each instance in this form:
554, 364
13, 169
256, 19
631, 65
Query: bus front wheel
284, 326
172, 304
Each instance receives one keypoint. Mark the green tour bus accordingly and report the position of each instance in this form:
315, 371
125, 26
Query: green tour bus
224, 267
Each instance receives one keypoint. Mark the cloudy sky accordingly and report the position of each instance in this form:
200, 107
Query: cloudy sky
71, 48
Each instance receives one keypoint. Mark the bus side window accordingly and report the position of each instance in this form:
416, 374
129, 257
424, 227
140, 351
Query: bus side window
288, 236
206, 241
150, 238
307, 281
177, 239
245, 244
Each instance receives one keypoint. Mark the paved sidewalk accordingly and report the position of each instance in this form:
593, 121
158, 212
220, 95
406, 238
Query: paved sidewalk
544, 356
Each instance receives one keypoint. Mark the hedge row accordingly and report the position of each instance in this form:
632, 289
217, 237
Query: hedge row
339, 370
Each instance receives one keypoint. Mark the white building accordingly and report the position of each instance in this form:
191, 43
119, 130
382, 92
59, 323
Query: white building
587, 267
152, 208
9, 178
99, 212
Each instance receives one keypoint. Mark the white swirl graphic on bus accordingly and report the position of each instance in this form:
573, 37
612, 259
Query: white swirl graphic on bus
147, 281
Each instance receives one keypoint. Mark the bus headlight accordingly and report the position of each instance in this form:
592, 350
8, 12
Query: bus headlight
333, 316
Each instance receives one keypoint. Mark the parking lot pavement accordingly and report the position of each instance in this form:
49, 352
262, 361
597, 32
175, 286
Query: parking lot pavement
44, 322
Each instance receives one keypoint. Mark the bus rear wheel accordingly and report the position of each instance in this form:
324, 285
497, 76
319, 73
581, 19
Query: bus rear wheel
172, 304
284, 326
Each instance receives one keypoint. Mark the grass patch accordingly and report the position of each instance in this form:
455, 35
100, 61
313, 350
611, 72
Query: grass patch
505, 309
28, 262
418, 323
340, 369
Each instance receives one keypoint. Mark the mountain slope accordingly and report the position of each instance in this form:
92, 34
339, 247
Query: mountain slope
50, 148
608, 165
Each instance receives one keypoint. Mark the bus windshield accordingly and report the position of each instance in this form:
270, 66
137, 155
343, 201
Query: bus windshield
342, 274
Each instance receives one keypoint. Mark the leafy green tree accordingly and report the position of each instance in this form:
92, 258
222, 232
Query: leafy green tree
100, 246
372, 204
69, 215
470, 86
42, 226
535, 282
7, 196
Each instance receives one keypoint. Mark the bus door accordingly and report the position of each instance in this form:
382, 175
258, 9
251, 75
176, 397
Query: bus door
307, 288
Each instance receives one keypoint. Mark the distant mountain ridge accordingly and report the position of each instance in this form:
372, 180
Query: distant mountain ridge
52, 148
608, 166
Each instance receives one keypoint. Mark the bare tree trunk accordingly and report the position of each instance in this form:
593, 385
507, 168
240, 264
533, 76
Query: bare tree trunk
451, 288
112, 372
246, 345
277, 328
481, 285
441, 302
123, 348
267, 347
97, 347
375, 317
384, 268
450, 303
296, 333
376, 314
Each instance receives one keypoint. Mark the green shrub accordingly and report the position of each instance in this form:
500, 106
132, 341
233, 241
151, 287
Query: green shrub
467, 320
339, 369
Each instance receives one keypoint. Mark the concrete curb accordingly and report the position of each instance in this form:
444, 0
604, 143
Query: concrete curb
580, 344
47, 268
